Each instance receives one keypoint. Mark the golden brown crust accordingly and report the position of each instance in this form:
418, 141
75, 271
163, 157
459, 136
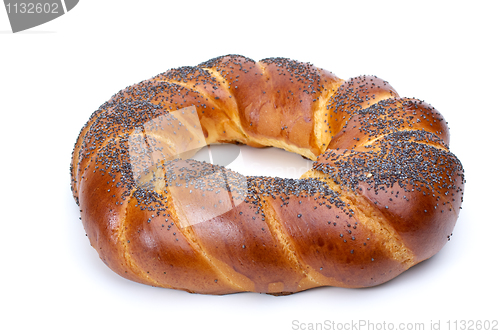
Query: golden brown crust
384, 192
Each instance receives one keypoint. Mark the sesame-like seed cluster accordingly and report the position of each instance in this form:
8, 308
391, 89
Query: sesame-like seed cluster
396, 159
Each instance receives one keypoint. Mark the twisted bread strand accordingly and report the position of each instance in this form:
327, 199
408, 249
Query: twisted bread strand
384, 192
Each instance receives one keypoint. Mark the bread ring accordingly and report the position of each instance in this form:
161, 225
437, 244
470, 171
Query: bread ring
384, 192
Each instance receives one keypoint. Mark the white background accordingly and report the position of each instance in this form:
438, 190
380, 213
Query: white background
52, 77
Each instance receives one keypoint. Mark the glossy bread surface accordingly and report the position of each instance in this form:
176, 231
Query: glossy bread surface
384, 192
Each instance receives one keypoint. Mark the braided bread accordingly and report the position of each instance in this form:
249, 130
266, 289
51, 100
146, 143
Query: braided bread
384, 192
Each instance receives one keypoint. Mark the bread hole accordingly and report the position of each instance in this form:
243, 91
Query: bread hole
270, 161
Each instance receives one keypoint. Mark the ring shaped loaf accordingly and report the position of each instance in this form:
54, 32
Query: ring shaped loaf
384, 192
